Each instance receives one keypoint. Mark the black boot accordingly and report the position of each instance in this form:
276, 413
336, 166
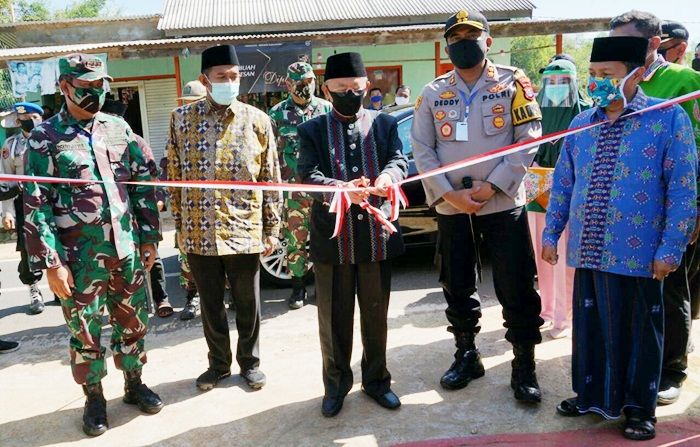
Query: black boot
467, 365
523, 379
298, 296
95, 413
136, 393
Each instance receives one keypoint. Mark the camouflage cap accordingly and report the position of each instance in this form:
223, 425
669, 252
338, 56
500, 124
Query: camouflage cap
85, 67
300, 70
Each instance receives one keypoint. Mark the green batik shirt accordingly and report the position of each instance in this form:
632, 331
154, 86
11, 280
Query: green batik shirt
286, 116
67, 222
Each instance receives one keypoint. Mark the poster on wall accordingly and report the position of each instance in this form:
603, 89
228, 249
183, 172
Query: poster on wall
39, 76
264, 66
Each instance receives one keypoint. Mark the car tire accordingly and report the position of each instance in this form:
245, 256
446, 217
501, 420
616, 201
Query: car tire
274, 270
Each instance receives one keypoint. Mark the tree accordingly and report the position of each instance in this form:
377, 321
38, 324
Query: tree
531, 53
82, 9
31, 11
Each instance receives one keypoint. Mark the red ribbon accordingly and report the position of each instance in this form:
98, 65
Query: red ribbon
397, 198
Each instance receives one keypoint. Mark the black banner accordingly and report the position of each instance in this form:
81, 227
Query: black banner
264, 66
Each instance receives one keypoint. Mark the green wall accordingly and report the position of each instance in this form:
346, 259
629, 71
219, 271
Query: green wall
122, 68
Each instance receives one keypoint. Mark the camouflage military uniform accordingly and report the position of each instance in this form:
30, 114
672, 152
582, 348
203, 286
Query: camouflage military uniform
94, 230
286, 116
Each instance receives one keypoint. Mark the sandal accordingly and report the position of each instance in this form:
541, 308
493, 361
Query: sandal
164, 309
639, 425
569, 408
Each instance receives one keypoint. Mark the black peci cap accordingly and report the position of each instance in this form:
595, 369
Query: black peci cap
345, 65
466, 17
628, 49
219, 55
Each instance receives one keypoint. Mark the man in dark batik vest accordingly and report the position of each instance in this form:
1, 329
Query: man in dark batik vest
352, 147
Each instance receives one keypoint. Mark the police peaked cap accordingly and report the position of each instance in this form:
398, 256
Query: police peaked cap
345, 65
219, 55
628, 49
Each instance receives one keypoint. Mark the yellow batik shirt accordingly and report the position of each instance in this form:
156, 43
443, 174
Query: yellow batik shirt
233, 144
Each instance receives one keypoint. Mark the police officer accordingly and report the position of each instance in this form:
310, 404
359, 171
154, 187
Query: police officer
299, 107
26, 115
93, 238
477, 107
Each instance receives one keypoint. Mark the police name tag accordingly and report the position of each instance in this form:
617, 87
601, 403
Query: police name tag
462, 131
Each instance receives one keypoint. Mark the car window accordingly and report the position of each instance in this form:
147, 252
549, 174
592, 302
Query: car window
405, 136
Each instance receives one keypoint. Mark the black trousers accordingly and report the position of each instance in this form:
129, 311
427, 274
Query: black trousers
157, 275
243, 273
336, 286
677, 316
694, 283
508, 238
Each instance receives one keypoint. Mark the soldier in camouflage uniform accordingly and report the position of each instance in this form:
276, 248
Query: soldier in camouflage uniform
92, 237
299, 107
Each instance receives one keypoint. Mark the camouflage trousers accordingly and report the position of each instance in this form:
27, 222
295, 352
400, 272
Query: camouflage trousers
118, 285
296, 232
186, 278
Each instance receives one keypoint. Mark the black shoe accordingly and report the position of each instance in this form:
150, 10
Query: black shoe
331, 406
210, 378
254, 378
191, 306
36, 300
298, 297
569, 408
136, 393
669, 392
8, 346
523, 379
95, 412
467, 365
387, 400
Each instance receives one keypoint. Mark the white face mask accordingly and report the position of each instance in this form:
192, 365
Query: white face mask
401, 100
224, 93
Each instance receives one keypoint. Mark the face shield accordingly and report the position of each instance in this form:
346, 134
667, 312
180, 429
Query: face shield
559, 89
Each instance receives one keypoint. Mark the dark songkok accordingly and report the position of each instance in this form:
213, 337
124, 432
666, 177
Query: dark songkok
219, 55
345, 65
114, 107
620, 49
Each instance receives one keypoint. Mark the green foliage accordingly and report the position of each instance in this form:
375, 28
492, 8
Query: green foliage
31, 11
82, 9
530, 53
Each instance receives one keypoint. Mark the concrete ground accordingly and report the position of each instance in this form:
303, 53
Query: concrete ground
41, 405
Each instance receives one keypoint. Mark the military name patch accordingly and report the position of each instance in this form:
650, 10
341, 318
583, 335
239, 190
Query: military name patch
446, 102
440, 115
498, 108
446, 130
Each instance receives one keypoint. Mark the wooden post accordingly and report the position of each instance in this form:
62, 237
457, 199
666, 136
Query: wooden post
560, 44
437, 58
178, 79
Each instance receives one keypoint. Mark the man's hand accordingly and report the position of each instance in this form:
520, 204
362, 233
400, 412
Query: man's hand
357, 197
160, 205
60, 281
662, 270
381, 185
8, 222
549, 254
484, 193
463, 201
271, 243
148, 255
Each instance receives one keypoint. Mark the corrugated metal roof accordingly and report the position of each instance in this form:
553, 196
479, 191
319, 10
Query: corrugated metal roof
189, 14
79, 21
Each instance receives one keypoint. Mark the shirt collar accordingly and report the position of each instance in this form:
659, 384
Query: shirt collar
658, 63
68, 120
207, 107
291, 105
347, 120
490, 74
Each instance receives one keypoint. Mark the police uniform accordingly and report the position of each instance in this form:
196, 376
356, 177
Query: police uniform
452, 122
286, 117
13, 163
336, 149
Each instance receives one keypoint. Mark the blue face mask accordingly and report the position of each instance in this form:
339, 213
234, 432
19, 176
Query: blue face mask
224, 93
376, 98
557, 93
604, 91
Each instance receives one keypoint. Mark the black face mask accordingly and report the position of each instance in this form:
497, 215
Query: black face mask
348, 103
696, 64
27, 125
467, 53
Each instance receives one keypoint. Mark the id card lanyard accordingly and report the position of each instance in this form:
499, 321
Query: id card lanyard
462, 131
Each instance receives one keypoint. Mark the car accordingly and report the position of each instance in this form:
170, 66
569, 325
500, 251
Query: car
418, 221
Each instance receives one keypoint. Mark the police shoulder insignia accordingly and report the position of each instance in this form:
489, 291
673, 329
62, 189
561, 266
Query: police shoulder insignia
524, 108
491, 72
419, 101
453, 79
446, 130
448, 94
440, 115
5, 152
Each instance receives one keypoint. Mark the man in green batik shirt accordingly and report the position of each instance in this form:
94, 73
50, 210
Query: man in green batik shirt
93, 238
666, 80
299, 107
